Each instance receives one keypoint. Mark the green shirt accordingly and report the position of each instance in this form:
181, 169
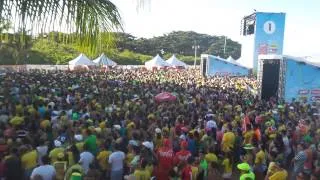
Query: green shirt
76, 176
75, 116
204, 167
91, 143
247, 176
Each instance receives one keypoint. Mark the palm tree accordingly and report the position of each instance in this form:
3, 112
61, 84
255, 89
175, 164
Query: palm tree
84, 19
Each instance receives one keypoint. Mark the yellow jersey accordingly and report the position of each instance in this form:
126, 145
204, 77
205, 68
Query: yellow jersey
102, 159
29, 160
142, 174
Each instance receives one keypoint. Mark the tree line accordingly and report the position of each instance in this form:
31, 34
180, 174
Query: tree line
59, 48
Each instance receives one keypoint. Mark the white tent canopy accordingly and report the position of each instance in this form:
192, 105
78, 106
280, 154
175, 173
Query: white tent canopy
157, 61
230, 58
81, 60
105, 61
244, 62
174, 61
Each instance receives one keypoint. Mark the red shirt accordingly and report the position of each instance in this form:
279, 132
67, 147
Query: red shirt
178, 128
165, 156
186, 173
182, 156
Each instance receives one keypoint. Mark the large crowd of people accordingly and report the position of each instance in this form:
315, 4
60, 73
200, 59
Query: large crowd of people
108, 125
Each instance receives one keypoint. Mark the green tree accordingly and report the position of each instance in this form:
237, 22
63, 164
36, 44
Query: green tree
85, 18
180, 43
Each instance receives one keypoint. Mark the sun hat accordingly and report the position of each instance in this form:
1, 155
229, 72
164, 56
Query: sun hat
158, 130
244, 166
98, 130
248, 146
131, 125
57, 143
148, 145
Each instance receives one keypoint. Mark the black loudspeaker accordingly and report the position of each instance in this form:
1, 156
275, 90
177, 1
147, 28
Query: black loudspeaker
250, 29
204, 66
270, 79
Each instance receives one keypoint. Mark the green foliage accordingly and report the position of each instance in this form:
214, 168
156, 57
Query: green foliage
85, 18
53, 52
59, 48
180, 43
127, 57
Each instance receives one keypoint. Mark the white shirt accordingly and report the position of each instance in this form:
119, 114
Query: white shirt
86, 158
47, 172
42, 151
211, 124
116, 160
286, 143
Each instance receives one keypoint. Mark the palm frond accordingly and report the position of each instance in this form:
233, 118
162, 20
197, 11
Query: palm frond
84, 18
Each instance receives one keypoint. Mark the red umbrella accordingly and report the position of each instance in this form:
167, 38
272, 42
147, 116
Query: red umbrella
165, 97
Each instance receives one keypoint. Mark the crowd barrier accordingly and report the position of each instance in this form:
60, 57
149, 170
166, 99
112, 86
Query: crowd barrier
27, 67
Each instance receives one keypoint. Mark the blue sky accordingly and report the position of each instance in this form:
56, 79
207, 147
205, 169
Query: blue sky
223, 17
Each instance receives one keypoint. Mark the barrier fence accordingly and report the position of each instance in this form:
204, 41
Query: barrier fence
27, 67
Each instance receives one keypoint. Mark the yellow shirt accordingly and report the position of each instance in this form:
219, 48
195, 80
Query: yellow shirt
149, 168
129, 158
248, 137
227, 165
79, 146
29, 160
61, 168
211, 157
195, 172
102, 159
228, 141
260, 158
279, 175
54, 154
271, 168
19, 109
142, 174
70, 158
158, 142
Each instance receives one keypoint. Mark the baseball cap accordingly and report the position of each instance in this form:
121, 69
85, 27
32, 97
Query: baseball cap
244, 166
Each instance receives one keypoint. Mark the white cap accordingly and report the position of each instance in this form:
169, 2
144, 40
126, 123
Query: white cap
51, 104
133, 143
158, 130
57, 143
117, 126
291, 107
78, 137
148, 145
182, 137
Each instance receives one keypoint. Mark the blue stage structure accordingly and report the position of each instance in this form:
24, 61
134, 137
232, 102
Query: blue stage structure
216, 66
287, 77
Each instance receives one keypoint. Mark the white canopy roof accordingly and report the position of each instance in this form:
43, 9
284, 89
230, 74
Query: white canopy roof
103, 60
244, 62
298, 59
230, 58
156, 62
81, 60
174, 61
